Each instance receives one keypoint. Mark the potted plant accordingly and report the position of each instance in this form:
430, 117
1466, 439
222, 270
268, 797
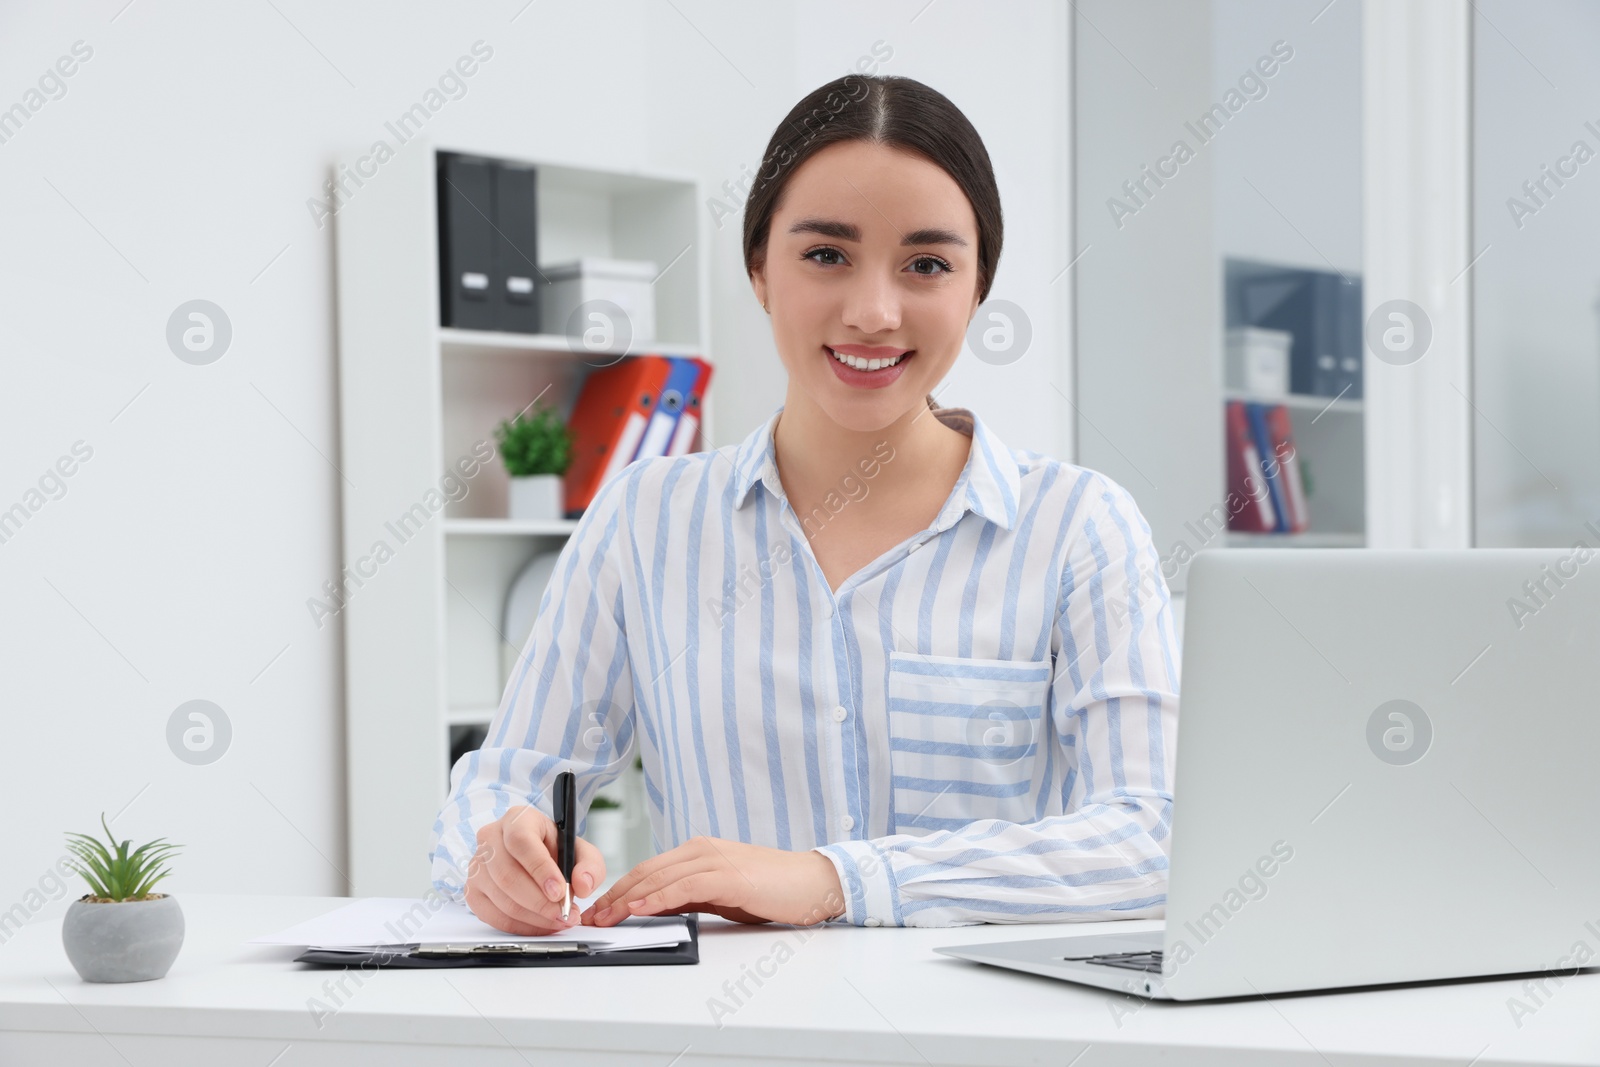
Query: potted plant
120, 931
536, 450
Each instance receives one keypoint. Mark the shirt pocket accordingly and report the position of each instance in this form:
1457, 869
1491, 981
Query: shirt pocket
964, 739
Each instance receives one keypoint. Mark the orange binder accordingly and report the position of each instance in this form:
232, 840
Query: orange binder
1249, 499
609, 418
684, 434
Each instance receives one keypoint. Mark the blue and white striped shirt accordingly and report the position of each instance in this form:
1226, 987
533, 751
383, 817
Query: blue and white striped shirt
977, 727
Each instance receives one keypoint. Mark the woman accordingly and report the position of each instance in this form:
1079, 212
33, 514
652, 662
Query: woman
880, 667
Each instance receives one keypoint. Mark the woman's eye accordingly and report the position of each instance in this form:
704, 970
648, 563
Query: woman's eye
928, 266
821, 252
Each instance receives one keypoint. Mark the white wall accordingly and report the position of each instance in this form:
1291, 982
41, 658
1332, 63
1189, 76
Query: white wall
177, 166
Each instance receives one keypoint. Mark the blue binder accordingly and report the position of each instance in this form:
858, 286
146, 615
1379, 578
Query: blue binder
1271, 471
669, 406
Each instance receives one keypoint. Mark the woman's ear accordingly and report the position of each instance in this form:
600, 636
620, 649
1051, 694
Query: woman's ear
758, 282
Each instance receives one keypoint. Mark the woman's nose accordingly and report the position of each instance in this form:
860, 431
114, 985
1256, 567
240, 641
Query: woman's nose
872, 304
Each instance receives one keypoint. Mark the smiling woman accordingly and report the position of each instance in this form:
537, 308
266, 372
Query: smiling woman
902, 140
956, 700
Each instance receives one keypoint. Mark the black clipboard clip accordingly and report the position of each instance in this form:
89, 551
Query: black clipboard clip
542, 949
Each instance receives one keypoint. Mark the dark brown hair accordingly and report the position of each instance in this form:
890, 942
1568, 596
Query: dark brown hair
890, 110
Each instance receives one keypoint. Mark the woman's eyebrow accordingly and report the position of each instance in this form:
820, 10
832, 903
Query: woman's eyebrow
846, 231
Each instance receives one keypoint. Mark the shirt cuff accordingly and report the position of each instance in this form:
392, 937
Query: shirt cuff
449, 875
871, 897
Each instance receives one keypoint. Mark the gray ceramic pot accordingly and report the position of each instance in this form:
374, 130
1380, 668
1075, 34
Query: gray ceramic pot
125, 941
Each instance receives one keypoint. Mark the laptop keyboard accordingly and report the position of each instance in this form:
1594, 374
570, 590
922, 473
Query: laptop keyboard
1131, 961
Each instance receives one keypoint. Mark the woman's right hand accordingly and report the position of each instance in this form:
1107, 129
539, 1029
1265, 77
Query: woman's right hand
515, 884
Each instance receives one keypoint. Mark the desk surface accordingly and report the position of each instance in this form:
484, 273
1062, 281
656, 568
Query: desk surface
826, 995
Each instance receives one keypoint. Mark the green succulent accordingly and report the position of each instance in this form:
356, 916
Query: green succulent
536, 444
114, 873
600, 803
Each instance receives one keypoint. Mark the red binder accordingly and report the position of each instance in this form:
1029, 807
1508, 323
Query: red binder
1249, 499
609, 418
684, 434
1283, 450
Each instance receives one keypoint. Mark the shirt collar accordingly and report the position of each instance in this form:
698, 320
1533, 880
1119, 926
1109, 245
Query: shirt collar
990, 483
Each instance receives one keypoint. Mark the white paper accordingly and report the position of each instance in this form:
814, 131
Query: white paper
374, 922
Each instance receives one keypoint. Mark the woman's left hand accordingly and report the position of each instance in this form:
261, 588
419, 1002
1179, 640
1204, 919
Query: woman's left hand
738, 881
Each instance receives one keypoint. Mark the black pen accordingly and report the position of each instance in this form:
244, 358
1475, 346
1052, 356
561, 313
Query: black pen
566, 812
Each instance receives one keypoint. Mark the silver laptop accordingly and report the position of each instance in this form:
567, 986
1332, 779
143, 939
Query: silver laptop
1388, 770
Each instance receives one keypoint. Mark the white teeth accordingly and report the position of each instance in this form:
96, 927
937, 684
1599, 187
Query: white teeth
864, 364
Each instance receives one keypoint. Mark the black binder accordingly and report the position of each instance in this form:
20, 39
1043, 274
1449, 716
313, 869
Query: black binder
1322, 310
1352, 340
467, 295
516, 273
548, 954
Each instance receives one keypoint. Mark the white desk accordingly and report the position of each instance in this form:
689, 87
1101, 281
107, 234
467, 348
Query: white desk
846, 995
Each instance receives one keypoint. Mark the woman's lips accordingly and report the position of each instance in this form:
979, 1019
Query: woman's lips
868, 379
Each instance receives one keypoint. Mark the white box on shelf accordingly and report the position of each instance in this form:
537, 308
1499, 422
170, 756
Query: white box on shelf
1258, 360
624, 282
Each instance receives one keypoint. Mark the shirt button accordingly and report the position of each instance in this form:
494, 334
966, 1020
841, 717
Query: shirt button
873, 921
847, 822
827, 608
914, 546
839, 714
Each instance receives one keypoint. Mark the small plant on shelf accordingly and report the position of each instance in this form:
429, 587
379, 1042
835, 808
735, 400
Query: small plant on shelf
536, 450
535, 444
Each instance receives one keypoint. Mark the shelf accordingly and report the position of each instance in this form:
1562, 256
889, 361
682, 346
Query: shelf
1299, 400
493, 342
1310, 539
510, 527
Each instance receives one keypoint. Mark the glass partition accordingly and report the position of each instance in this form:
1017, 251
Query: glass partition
1536, 282
1219, 221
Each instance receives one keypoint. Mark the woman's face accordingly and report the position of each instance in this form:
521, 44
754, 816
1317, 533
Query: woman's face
872, 252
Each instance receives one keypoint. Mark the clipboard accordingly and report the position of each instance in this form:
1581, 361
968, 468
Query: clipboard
566, 953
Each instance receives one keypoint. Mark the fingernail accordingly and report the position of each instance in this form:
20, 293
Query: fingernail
636, 903
552, 889
583, 884
602, 915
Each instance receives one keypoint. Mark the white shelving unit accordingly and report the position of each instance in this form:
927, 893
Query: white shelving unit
423, 648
